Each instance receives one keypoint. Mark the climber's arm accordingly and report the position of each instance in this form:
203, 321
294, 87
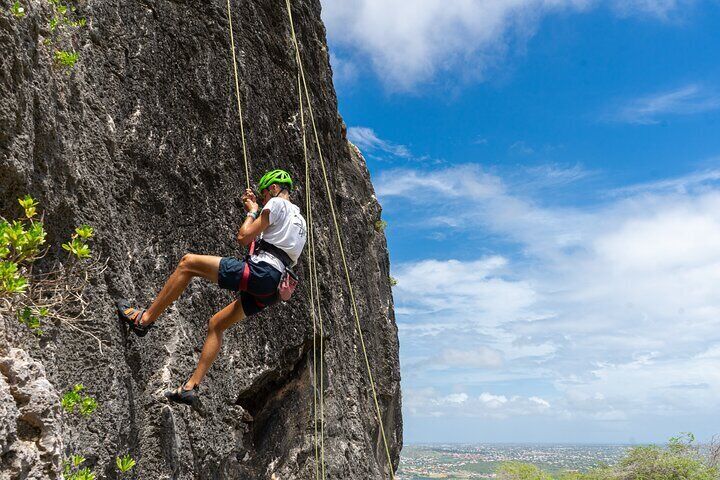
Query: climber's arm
251, 228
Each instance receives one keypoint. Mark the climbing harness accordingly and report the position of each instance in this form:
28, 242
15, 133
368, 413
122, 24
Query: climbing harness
289, 279
339, 237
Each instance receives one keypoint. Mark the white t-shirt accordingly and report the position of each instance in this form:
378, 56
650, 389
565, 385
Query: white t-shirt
287, 231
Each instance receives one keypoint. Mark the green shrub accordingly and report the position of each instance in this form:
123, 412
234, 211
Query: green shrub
20, 242
521, 471
380, 226
64, 26
31, 318
393, 281
85, 404
681, 459
78, 242
17, 10
72, 470
55, 292
66, 59
124, 463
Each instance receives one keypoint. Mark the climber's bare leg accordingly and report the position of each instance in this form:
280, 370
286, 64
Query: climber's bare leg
190, 266
218, 324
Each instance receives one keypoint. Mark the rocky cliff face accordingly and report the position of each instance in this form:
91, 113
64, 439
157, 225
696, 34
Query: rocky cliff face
140, 139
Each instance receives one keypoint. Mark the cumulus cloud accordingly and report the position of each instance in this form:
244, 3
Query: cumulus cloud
427, 402
408, 43
615, 307
367, 140
344, 70
651, 109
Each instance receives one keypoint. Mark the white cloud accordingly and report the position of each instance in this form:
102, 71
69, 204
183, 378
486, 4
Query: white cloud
471, 286
493, 401
616, 306
522, 148
367, 140
455, 398
647, 110
409, 43
673, 185
344, 70
658, 8
428, 403
481, 357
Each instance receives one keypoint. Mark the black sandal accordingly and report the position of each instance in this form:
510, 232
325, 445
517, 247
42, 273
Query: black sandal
181, 395
130, 315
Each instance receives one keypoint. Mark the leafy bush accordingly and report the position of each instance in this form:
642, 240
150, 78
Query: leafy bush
393, 281
72, 470
57, 292
85, 404
521, 471
64, 27
680, 459
78, 244
124, 463
17, 10
31, 318
66, 59
380, 226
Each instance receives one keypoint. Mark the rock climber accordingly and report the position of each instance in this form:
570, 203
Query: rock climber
282, 233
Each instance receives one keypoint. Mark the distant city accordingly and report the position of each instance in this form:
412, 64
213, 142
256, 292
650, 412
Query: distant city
461, 462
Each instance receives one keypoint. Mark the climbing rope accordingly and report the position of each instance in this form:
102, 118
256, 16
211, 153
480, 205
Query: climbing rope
314, 294
338, 235
237, 94
314, 290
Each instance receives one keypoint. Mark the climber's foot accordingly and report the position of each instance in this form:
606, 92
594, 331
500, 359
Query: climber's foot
184, 395
133, 317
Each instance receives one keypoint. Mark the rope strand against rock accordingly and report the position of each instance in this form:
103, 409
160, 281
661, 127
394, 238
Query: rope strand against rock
339, 238
237, 94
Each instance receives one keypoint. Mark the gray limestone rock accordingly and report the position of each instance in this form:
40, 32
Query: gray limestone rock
141, 140
31, 441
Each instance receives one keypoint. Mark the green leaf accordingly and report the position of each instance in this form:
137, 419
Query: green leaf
8, 269
17, 284
69, 400
66, 58
17, 10
87, 406
124, 463
29, 205
84, 231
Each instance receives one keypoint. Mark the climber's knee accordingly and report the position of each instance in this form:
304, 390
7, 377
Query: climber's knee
206, 266
186, 263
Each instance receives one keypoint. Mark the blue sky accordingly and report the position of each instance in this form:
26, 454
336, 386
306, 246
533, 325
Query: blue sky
559, 162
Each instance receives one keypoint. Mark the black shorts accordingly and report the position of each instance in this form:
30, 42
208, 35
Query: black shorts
262, 284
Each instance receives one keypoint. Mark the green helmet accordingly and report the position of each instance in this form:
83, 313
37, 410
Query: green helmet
275, 176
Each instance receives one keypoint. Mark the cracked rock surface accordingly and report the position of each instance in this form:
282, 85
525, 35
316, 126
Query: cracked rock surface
141, 140
31, 441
